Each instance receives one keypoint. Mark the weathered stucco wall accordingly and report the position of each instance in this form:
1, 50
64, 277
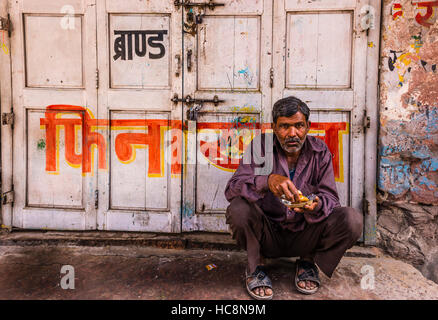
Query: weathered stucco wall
408, 143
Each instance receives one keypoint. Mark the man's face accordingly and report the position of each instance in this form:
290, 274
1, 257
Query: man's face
291, 132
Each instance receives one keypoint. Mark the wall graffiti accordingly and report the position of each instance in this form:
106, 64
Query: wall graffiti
125, 143
402, 61
218, 151
397, 177
408, 163
154, 39
425, 11
52, 123
397, 10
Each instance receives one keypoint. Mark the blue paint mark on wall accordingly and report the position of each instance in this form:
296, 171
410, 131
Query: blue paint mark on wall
431, 185
394, 176
408, 157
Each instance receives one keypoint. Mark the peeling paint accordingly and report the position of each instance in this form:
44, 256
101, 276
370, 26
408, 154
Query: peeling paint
408, 146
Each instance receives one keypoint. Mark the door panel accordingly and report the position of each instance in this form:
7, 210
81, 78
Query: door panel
139, 59
323, 64
54, 154
319, 50
54, 144
139, 170
138, 42
231, 58
238, 52
62, 51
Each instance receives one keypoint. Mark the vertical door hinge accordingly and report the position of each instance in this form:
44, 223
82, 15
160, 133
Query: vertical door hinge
8, 118
366, 122
96, 199
271, 77
97, 78
366, 206
8, 197
5, 25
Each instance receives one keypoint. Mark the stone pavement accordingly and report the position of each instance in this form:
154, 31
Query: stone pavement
105, 270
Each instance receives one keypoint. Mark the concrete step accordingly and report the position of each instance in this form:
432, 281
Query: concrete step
192, 240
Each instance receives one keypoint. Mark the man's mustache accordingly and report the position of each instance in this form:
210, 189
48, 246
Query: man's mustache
293, 139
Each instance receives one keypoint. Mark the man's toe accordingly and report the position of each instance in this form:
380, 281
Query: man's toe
312, 285
261, 292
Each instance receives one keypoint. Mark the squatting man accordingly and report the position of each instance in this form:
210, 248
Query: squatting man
318, 232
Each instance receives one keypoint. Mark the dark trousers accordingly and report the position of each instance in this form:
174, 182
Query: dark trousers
326, 241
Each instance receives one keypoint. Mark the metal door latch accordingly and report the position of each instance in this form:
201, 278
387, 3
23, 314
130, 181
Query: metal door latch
195, 105
189, 100
192, 20
187, 4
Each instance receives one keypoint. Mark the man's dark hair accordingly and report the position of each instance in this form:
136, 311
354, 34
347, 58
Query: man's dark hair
288, 106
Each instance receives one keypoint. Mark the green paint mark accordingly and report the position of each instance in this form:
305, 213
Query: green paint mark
41, 144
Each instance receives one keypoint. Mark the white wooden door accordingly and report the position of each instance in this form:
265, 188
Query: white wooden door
139, 72
231, 59
319, 56
53, 52
97, 141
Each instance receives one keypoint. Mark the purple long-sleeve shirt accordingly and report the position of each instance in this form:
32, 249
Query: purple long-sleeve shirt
313, 174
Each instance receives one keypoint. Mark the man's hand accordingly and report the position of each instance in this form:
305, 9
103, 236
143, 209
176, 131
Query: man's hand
280, 185
308, 207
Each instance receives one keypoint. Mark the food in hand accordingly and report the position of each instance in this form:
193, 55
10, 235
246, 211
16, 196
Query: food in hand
302, 200
301, 197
